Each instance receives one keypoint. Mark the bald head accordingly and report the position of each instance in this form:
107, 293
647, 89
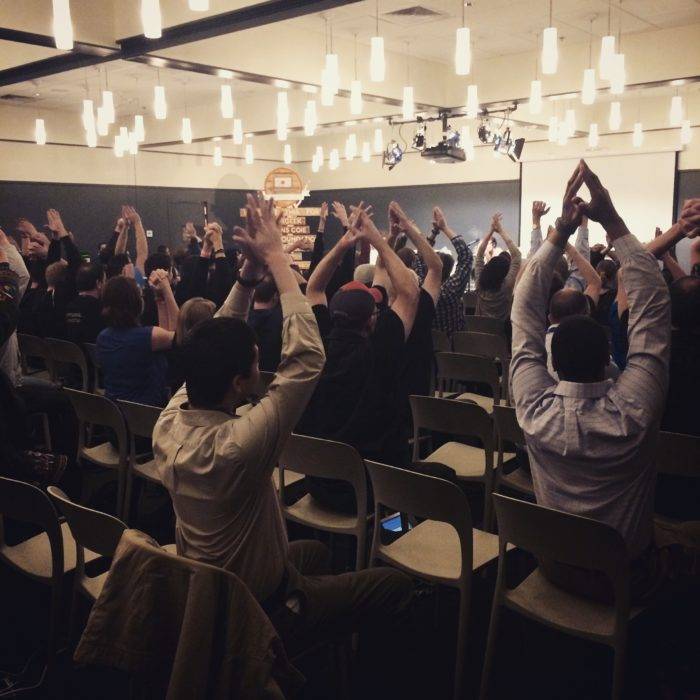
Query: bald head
565, 303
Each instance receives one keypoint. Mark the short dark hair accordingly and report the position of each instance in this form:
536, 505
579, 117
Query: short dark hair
407, 256
88, 276
121, 302
607, 269
116, 264
157, 261
493, 274
567, 302
685, 303
580, 351
448, 263
265, 291
215, 352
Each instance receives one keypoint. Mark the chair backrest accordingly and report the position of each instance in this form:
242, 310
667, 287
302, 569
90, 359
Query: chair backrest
469, 302
456, 418
482, 344
33, 346
324, 458
468, 368
562, 537
441, 341
425, 497
485, 324
93, 409
91, 529
91, 350
678, 454
64, 352
507, 427
140, 418
29, 504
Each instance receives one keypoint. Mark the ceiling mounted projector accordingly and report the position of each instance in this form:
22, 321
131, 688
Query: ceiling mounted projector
444, 152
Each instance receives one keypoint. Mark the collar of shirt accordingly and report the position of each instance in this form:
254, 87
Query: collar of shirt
583, 390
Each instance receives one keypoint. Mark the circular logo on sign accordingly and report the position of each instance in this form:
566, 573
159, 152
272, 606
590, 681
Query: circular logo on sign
285, 185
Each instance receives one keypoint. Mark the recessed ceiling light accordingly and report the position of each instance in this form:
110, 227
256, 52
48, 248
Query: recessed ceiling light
378, 120
312, 89
679, 81
351, 123
217, 138
226, 74
284, 84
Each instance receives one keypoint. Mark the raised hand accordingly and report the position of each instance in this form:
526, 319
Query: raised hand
439, 219
690, 218
55, 223
130, 214
323, 215
159, 280
539, 209
340, 213
497, 223
404, 222
600, 207
215, 235
261, 239
572, 205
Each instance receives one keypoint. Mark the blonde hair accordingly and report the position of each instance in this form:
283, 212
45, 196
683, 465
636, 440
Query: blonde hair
56, 273
191, 313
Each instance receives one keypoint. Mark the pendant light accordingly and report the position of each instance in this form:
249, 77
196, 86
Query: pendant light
249, 155
355, 89
218, 159
637, 135
315, 165
118, 146
686, 133
88, 115
287, 154
366, 152
552, 131
351, 146
562, 133
570, 121
310, 118
108, 105
319, 155
133, 143
378, 140
160, 106
615, 119
535, 102
151, 19
139, 129
550, 49
282, 115
675, 114
408, 107
62, 25
186, 131
377, 62
102, 125
40, 132
607, 50
588, 87
472, 102
466, 142
91, 136
199, 5
593, 137
618, 76
463, 51
226, 101
334, 159
237, 132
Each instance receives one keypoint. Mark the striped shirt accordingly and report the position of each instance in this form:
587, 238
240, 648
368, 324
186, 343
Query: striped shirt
592, 445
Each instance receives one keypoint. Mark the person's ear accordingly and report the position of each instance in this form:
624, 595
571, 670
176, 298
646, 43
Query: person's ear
550, 319
239, 384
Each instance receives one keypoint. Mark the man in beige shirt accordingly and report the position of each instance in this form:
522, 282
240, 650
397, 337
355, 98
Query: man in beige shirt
216, 454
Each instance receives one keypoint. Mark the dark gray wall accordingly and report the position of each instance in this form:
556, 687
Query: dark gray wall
687, 186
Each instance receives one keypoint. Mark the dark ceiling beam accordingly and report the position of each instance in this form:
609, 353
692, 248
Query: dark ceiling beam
227, 23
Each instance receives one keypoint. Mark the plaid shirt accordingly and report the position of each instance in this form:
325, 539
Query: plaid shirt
449, 313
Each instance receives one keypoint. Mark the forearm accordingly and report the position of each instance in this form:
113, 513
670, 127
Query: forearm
321, 276
671, 264
54, 254
221, 280
535, 240
584, 267
512, 248
317, 253
663, 243
481, 250
122, 242
141, 245
401, 277
581, 244
72, 253
286, 282
424, 249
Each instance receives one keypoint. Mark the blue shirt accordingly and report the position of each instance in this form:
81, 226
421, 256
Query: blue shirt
132, 371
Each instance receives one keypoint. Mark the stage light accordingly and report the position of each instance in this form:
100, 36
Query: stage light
550, 51
615, 119
186, 131
237, 132
62, 25
226, 101
472, 102
419, 137
588, 88
315, 165
593, 137
91, 136
465, 140
118, 146
535, 104
637, 135
40, 132
160, 106
463, 52
282, 116
333, 72
377, 63
393, 155
562, 133
355, 97
326, 89
675, 115
151, 19
133, 143
218, 160
319, 155
605, 62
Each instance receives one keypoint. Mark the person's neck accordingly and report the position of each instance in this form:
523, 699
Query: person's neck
91, 293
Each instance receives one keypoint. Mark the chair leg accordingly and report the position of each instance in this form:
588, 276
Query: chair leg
490, 648
462, 629
54, 625
618, 670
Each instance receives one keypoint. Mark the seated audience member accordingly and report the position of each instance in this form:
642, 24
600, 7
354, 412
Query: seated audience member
133, 363
495, 280
358, 397
83, 320
449, 315
266, 320
607, 271
9, 349
681, 415
216, 456
592, 441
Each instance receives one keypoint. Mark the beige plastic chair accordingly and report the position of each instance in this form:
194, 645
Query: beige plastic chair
31, 346
46, 557
444, 548
91, 351
66, 353
441, 341
495, 347
140, 421
573, 540
486, 324
458, 419
332, 460
509, 432
93, 410
458, 367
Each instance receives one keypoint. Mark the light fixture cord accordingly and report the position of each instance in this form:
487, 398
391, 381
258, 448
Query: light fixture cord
550, 12
463, 15
590, 47
355, 58
377, 18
